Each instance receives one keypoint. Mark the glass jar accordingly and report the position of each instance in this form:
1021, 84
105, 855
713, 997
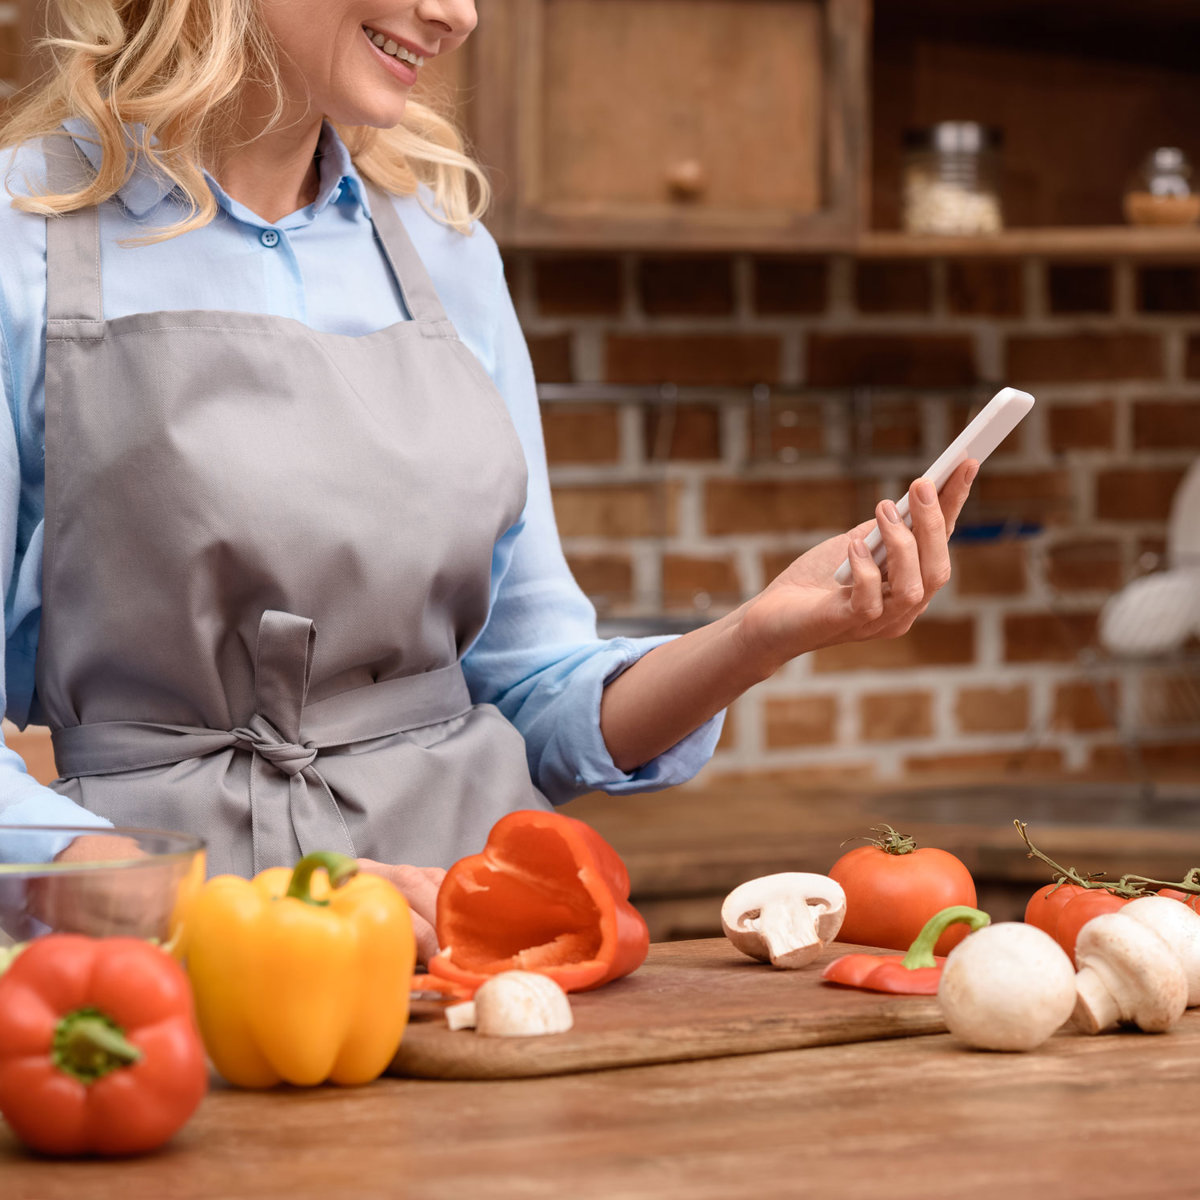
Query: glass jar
952, 179
1162, 191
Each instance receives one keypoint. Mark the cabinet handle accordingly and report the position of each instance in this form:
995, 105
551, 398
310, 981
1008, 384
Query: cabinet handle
687, 179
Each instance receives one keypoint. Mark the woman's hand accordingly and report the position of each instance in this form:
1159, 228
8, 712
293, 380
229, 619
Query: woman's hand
679, 685
119, 903
804, 609
419, 886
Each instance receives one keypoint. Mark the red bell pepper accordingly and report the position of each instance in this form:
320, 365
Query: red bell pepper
546, 894
99, 1051
918, 972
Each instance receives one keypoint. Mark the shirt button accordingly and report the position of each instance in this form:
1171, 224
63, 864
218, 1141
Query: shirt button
269, 238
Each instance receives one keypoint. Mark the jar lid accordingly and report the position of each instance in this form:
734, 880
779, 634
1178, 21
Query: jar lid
1170, 158
955, 137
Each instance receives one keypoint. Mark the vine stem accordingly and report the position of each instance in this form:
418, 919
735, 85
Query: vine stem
1186, 884
1130, 886
886, 839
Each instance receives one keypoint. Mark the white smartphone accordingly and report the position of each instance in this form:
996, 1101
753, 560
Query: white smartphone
1000, 416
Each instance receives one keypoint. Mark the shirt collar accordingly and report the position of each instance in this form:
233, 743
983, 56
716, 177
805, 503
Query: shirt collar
147, 186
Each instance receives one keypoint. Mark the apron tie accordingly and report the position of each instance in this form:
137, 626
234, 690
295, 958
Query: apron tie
282, 669
291, 804
263, 739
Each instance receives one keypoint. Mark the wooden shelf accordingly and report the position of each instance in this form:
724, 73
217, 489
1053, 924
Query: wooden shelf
1101, 241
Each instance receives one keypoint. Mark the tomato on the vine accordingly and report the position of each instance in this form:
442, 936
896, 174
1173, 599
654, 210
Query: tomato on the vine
892, 888
1191, 899
1079, 910
1046, 905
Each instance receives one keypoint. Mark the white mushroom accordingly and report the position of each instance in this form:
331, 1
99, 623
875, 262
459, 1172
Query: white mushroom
519, 1004
1179, 927
1127, 972
1007, 987
784, 919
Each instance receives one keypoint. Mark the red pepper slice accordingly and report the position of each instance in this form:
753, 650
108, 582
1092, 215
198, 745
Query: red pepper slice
918, 972
99, 1051
546, 894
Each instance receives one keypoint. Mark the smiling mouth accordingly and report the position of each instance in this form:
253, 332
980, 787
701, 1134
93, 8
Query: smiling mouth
388, 46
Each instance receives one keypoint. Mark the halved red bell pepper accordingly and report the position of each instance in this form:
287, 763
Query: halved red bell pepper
99, 1050
546, 894
916, 973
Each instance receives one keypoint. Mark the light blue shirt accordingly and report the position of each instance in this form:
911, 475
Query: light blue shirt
538, 657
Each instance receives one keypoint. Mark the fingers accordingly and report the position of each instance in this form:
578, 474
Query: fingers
419, 886
929, 533
905, 590
866, 588
954, 495
426, 936
99, 847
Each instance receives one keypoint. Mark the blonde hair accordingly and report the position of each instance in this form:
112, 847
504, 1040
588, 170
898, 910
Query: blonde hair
159, 80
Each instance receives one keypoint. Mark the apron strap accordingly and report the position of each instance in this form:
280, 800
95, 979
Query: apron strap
416, 287
290, 802
72, 239
73, 290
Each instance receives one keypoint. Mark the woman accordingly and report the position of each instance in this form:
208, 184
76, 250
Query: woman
278, 548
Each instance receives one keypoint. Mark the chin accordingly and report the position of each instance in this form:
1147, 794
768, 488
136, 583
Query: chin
377, 111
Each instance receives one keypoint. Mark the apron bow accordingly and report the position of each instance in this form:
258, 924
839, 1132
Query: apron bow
291, 805
263, 739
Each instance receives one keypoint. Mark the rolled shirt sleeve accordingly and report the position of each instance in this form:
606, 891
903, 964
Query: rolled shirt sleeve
539, 659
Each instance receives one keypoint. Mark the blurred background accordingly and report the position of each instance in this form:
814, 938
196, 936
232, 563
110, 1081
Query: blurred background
770, 255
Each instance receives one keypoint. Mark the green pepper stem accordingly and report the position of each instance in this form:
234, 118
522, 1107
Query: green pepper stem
340, 868
920, 953
88, 1045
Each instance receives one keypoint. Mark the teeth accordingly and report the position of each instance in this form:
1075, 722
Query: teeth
393, 48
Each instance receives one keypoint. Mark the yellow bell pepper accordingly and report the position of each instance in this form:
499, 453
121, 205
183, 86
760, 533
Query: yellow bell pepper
301, 979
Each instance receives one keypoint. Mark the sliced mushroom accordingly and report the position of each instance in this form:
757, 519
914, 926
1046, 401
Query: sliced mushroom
1008, 986
1179, 927
1127, 972
784, 919
521, 1004
461, 1015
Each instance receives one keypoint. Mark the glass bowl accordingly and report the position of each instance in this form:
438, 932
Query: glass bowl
121, 882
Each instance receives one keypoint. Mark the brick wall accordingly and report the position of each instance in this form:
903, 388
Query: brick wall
686, 508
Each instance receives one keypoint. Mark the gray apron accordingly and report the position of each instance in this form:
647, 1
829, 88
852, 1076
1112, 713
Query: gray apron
266, 550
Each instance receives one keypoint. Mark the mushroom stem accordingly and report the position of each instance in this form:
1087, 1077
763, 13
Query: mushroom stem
1095, 1007
789, 930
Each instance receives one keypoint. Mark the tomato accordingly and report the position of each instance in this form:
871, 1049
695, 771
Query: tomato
892, 889
1046, 905
1189, 898
1079, 910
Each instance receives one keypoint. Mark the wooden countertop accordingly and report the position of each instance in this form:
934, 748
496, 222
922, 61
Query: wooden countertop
913, 1119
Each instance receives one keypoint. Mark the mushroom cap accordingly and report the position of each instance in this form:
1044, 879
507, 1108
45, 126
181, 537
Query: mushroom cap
784, 919
521, 1004
1127, 972
1179, 926
1008, 986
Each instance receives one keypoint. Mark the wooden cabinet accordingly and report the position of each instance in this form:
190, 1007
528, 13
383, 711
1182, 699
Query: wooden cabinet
755, 124
671, 123
1081, 94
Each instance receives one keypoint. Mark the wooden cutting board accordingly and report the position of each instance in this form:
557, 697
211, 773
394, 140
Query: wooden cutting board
689, 1000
